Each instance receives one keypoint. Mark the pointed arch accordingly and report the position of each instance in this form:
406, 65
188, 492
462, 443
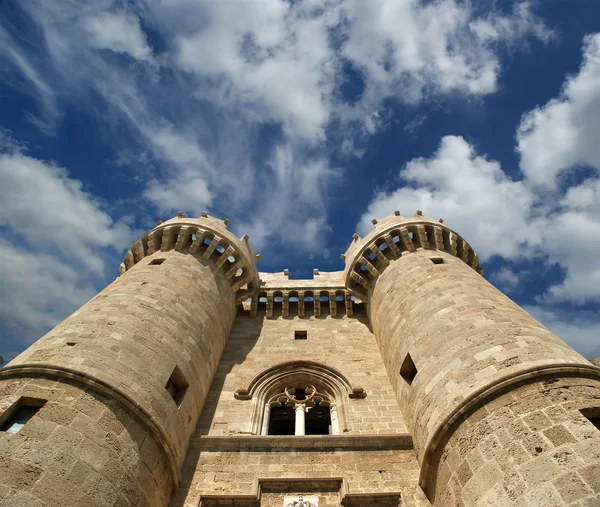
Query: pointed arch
272, 380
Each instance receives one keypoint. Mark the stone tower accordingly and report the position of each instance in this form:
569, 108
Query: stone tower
194, 380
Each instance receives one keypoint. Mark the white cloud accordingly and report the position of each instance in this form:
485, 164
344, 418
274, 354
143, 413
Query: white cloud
508, 218
507, 279
556, 139
188, 194
45, 207
559, 225
470, 192
278, 59
119, 32
572, 240
54, 238
502, 217
513, 28
562, 134
37, 291
578, 328
409, 50
292, 208
268, 58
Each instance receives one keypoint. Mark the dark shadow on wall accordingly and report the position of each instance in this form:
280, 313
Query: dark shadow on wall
242, 339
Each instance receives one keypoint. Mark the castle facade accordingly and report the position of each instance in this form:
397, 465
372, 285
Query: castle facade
195, 380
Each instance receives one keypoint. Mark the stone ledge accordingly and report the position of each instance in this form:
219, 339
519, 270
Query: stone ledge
307, 442
308, 484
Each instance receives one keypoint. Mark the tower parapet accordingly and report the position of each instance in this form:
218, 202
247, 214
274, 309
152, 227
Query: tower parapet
449, 339
324, 294
207, 236
393, 237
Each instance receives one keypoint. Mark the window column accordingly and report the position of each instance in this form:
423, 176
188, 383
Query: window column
266, 420
335, 423
300, 410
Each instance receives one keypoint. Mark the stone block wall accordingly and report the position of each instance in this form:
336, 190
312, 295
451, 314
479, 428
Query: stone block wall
80, 450
132, 335
528, 447
462, 334
497, 406
234, 473
257, 344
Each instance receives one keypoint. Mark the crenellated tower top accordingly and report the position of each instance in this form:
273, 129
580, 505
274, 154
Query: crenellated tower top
393, 237
365, 258
206, 236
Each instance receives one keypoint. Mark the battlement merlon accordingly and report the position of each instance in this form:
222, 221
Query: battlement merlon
320, 280
393, 237
204, 235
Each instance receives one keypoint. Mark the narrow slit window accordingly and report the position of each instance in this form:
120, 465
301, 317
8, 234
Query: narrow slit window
20, 413
177, 386
408, 370
592, 415
156, 262
436, 260
300, 335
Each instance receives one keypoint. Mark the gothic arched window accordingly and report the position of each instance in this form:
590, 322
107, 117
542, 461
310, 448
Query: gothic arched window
299, 398
301, 409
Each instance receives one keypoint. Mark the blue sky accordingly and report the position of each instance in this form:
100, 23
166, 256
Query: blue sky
300, 121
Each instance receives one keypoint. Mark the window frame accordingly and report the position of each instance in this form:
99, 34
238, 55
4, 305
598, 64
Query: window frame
9, 417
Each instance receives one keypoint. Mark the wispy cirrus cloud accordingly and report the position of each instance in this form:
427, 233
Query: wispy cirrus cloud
119, 32
54, 239
200, 85
23, 72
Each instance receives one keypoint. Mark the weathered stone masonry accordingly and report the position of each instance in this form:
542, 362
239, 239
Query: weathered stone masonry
180, 384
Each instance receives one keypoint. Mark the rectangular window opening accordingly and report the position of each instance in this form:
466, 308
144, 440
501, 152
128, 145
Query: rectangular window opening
318, 421
156, 262
408, 370
300, 335
282, 421
177, 386
436, 260
15, 417
592, 415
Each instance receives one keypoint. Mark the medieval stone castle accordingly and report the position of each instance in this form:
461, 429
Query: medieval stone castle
195, 380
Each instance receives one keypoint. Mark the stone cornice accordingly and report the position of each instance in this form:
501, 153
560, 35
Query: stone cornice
352, 442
